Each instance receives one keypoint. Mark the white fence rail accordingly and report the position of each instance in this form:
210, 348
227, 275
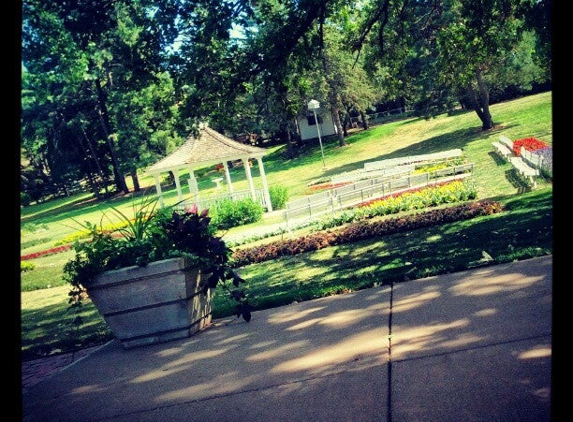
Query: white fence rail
363, 174
381, 116
210, 201
336, 199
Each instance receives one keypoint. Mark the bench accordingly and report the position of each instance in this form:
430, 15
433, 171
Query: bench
504, 147
413, 159
525, 170
372, 174
531, 158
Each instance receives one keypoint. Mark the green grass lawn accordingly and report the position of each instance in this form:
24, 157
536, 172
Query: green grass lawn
523, 231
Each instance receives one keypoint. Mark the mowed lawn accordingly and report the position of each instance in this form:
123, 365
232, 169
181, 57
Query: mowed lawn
527, 226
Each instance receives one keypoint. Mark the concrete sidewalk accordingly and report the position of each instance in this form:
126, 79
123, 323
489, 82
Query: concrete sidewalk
469, 346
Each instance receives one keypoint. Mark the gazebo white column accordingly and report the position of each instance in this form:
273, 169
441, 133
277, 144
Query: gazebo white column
158, 189
177, 184
265, 185
228, 176
249, 177
193, 186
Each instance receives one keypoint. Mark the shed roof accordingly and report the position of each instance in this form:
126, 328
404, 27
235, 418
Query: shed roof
208, 147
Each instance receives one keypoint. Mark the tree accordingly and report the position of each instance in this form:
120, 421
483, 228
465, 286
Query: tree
105, 56
311, 63
348, 87
110, 85
52, 86
448, 49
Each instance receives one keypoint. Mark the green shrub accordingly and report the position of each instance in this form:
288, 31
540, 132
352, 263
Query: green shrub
229, 213
26, 266
71, 238
25, 199
279, 197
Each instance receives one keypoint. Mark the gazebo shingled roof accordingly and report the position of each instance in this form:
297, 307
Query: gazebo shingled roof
209, 147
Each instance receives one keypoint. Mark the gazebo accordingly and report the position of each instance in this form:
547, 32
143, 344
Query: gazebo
211, 148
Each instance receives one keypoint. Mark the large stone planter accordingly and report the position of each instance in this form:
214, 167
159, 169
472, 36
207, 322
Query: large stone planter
152, 304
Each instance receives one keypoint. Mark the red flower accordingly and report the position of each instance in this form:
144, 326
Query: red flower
530, 144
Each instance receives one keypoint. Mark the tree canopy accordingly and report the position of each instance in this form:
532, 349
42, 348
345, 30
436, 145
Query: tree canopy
109, 86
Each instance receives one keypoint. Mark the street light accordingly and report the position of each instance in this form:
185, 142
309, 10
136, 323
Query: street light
315, 105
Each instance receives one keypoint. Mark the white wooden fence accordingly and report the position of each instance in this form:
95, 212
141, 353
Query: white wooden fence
210, 201
363, 174
345, 196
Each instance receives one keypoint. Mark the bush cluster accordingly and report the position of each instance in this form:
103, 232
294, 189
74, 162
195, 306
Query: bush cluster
547, 163
230, 213
429, 168
363, 230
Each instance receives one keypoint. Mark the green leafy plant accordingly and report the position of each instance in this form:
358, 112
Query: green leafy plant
232, 213
279, 196
154, 235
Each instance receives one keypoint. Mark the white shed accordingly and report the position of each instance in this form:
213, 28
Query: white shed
307, 126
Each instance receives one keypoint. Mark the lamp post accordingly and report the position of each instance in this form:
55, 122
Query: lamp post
315, 105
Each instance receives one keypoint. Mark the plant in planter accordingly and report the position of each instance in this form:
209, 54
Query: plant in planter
152, 277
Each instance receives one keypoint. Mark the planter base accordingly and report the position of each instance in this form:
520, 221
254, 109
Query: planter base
153, 304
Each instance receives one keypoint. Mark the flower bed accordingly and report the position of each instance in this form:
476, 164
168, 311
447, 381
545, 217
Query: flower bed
46, 252
363, 230
325, 186
530, 144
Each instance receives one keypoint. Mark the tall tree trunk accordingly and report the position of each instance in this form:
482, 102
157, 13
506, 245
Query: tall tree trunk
135, 179
104, 118
94, 185
364, 119
336, 116
487, 122
345, 127
89, 172
291, 142
480, 104
98, 166
347, 120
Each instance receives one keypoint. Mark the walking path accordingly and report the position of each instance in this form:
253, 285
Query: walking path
37, 370
468, 346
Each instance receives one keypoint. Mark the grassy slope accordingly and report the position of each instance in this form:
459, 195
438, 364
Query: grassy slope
44, 316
